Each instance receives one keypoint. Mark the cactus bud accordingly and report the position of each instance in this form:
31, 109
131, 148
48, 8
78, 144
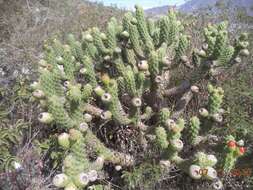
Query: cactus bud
83, 127
99, 162
217, 185
143, 65
59, 59
195, 171
118, 168
106, 97
63, 140
87, 117
203, 112
241, 151
38, 94
60, 180
231, 144
201, 53
184, 59
45, 117
82, 179
92, 175
244, 52
99, 91
136, 102
83, 71
107, 58
212, 159
238, 60
195, 89
205, 46
243, 44
170, 123
240, 143
66, 84
125, 34
211, 173
217, 117
103, 36
34, 85
165, 164
177, 144
158, 79
88, 38
106, 115
117, 50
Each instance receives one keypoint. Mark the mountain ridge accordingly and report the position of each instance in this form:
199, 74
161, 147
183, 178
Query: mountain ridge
195, 5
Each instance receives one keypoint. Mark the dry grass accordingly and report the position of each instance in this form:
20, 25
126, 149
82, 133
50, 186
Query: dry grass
24, 26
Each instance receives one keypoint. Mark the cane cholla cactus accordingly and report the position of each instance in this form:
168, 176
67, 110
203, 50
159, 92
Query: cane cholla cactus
215, 100
194, 129
122, 76
78, 170
217, 49
232, 151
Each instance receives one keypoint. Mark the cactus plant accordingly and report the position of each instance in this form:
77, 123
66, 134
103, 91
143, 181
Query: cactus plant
232, 151
89, 79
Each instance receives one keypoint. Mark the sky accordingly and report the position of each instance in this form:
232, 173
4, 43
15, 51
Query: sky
129, 4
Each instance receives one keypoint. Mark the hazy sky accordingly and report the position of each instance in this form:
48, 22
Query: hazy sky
144, 3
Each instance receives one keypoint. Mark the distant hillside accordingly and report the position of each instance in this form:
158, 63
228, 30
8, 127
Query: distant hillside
157, 10
196, 5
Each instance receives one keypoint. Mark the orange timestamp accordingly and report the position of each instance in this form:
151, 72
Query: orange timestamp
237, 172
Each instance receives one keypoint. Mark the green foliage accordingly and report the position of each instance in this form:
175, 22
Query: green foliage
10, 135
51, 150
11, 129
238, 102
